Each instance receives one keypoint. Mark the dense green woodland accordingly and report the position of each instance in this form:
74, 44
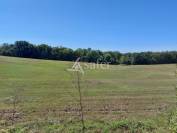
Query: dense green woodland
44, 51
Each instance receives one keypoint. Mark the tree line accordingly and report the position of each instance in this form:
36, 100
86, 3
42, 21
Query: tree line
44, 51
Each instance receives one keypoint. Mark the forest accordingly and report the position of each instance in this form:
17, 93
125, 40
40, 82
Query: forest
44, 51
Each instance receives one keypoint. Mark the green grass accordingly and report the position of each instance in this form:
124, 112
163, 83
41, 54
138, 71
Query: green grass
122, 92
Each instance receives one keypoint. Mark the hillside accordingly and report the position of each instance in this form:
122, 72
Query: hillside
137, 92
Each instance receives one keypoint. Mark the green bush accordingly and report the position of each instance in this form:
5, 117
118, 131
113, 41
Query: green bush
173, 121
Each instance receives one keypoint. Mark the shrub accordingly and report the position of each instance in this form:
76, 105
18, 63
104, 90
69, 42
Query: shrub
173, 121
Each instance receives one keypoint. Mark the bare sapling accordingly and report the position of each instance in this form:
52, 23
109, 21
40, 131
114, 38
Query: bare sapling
78, 72
80, 99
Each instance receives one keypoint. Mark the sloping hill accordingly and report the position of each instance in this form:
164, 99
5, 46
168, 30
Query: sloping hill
48, 90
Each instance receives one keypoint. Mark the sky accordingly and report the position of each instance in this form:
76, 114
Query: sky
118, 25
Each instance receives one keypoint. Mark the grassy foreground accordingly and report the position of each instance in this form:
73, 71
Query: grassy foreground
118, 99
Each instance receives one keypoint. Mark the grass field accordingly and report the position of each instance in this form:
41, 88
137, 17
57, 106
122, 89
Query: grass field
120, 93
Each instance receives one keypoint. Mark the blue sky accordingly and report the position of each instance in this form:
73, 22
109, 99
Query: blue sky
121, 25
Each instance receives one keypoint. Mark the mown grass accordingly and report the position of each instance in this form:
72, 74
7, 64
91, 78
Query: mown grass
132, 93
